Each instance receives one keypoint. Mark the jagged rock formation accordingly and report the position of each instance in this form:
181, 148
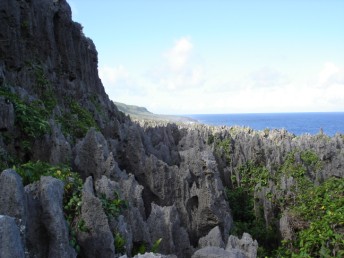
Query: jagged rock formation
172, 177
236, 248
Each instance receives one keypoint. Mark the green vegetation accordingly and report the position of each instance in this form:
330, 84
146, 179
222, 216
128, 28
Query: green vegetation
44, 89
113, 207
78, 121
25, 25
119, 243
322, 209
156, 245
299, 171
222, 146
249, 175
32, 171
141, 248
319, 209
30, 117
248, 215
211, 139
225, 146
95, 101
141, 113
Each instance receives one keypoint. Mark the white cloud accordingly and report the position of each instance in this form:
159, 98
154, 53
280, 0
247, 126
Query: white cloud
330, 75
178, 56
112, 75
179, 69
181, 84
267, 77
122, 86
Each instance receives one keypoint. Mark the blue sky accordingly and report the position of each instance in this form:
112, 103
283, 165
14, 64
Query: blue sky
184, 57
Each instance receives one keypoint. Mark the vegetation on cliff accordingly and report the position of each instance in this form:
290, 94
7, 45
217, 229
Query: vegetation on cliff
314, 211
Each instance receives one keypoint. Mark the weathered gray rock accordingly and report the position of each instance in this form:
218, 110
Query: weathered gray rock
139, 227
214, 238
124, 229
246, 244
12, 196
107, 187
169, 165
236, 248
150, 255
54, 147
92, 154
111, 190
37, 240
215, 252
154, 255
10, 241
98, 240
51, 194
132, 192
164, 223
206, 206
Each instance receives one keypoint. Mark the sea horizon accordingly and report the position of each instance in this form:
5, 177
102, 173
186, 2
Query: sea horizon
297, 123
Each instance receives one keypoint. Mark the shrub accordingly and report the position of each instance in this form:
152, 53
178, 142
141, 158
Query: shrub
323, 207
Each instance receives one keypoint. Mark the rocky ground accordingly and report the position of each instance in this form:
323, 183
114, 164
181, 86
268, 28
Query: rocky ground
138, 187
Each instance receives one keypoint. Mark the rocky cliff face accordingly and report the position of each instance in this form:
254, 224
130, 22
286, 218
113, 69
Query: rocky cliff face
172, 178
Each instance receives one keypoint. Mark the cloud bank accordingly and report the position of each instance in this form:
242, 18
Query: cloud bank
182, 82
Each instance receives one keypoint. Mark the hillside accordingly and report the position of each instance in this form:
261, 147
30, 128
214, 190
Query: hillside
81, 179
141, 113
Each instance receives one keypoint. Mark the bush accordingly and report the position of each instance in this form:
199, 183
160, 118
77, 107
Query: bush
323, 208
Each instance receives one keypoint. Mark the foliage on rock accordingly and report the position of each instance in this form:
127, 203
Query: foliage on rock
30, 116
247, 215
32, 172
77, 121
321, 209
113, 207
318, 209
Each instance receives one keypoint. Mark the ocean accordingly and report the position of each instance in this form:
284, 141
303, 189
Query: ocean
296, 123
